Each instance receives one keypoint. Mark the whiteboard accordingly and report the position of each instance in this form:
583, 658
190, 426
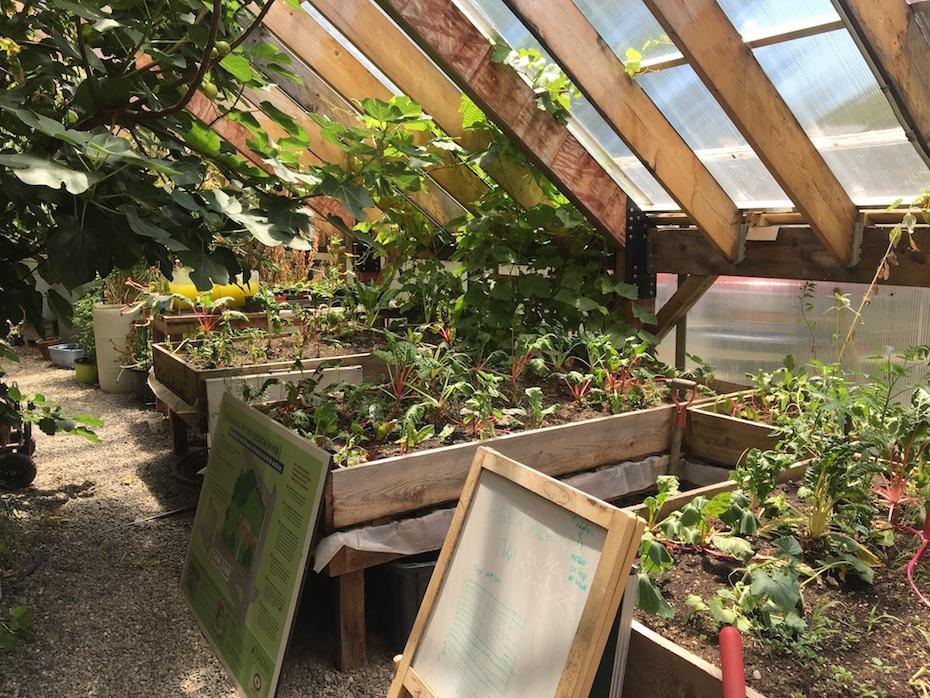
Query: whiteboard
512, 597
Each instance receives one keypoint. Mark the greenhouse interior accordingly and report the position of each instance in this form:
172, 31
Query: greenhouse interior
349, 348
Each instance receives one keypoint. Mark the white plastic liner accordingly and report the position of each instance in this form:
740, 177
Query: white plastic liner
426, 533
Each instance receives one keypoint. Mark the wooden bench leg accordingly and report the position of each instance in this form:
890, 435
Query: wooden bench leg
178, 434
350, 620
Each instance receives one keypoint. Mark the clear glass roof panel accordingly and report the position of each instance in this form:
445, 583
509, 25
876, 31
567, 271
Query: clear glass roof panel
754, 18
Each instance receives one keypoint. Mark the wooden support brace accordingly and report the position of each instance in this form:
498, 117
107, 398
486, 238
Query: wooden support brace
684, 298
350, 622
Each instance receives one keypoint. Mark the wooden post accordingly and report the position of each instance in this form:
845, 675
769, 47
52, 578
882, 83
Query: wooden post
681, 335
178, 433
350, 621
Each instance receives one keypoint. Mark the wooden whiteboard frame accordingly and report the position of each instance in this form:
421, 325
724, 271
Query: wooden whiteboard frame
621, 544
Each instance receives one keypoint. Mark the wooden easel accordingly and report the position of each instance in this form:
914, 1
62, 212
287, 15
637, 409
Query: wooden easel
621, 542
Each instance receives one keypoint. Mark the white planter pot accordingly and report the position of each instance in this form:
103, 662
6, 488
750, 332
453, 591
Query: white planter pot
112, 326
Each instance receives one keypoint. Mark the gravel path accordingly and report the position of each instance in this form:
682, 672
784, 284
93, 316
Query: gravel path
109, 618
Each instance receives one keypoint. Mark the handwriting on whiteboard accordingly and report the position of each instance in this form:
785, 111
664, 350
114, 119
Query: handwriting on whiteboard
481, 648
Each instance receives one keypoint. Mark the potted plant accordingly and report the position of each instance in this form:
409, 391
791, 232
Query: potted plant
113, 319
85, 367
137, 360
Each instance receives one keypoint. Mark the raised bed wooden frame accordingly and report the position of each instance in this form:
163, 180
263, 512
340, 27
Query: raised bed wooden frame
189, 382
400, 486
720, 438
651, 655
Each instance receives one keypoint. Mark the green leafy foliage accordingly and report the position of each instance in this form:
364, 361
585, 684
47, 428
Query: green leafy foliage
555, 93
103, 162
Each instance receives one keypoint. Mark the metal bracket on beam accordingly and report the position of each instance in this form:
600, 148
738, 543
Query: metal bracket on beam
639, 267
858, 232
743, 234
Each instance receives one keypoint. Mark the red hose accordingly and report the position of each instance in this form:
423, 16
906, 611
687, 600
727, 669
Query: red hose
731, 663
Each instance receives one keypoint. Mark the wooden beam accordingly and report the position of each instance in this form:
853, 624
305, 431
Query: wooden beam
764, 218
673, 60
795, 254
702, 32
447, 35
596, 70
385, 45
890, 37
684, 298
314, 46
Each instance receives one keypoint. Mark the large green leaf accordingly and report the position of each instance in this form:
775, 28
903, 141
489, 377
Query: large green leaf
740, 548
105, 146
534, 285
353, 197
285, 121
649, 598
43, 124
48, 173
781, 587
238, 66
150, 230
203, 138
261, 228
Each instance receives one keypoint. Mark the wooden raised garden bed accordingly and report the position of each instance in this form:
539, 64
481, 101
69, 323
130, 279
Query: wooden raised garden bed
651, 655
715, 436
188, 381
167, 326
401, 486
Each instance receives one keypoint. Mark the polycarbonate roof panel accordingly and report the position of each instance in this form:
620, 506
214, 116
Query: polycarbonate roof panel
753, 18
830, 88
691, 108
823, 78
625, 24
687, 104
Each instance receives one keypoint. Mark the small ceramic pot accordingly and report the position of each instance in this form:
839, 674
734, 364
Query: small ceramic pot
85, 373
64, 355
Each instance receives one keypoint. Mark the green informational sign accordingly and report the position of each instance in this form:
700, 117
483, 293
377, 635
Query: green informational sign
251, 539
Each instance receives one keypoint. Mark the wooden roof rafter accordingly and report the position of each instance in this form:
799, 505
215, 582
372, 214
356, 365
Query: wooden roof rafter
457, 46
703, 33
570, 38
317, 49
371, 32
890, 37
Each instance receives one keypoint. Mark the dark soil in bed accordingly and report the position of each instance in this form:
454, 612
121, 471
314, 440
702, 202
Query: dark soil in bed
566, 413
863, 640
286, 347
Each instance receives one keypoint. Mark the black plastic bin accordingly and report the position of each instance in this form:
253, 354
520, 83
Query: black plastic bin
405, 587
